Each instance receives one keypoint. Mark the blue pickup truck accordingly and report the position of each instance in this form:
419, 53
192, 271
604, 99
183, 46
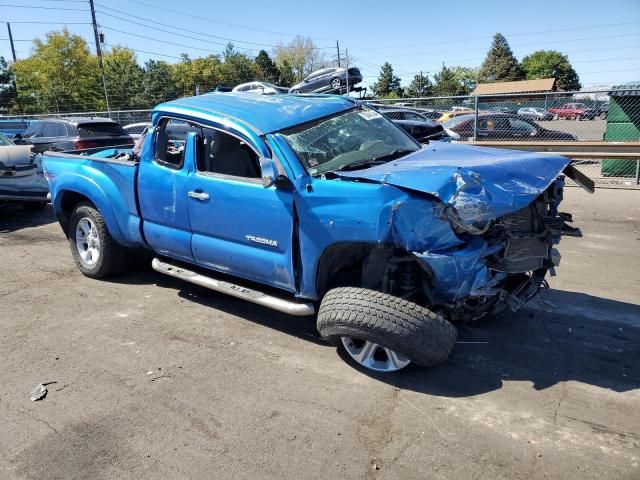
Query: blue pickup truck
307, 204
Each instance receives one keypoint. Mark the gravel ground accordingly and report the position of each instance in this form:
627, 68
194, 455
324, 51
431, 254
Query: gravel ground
155, 378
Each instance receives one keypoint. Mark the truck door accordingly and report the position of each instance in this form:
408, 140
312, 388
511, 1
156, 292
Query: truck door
162, 193
238, 226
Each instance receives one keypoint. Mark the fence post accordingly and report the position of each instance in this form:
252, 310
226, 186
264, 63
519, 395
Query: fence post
637, 172
475, 119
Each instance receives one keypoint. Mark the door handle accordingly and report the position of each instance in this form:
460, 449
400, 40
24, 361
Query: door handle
202, 196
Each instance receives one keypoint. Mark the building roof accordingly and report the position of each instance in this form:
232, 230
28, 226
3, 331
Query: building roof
522, 86
261, 113
631, 89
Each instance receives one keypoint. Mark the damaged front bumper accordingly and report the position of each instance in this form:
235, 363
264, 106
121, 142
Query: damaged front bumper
503, 262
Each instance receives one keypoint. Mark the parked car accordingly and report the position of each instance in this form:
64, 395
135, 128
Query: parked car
415, 114
452, 114
21, 176
422, 130
9, 128
501, 126
503, 109
328, 80
136, 129
307, 201
265, 88
601, 111
535, 113
573, 111
73, 133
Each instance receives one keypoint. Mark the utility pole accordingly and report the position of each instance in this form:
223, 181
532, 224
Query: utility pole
346, 51
99, 51
338, 48
13, 48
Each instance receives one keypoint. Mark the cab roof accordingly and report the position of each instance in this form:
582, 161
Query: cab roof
261, 113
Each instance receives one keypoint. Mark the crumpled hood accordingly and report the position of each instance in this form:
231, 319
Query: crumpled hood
480, 183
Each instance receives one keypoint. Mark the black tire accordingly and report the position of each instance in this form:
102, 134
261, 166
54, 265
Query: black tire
112, 256
34, 206
418, 333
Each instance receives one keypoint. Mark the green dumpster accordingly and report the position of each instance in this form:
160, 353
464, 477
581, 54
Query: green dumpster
623, 124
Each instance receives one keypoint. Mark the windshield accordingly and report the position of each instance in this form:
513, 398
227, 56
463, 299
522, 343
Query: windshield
4, 141
360, 136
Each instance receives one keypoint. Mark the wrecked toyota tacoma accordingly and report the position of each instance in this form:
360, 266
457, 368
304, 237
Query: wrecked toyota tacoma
319, 203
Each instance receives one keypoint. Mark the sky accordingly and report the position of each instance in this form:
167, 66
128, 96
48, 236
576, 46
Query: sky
602, 39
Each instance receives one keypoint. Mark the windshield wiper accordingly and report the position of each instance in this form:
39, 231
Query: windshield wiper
371, 162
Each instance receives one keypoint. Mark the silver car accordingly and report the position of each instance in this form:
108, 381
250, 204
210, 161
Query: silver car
535, 113
21, 176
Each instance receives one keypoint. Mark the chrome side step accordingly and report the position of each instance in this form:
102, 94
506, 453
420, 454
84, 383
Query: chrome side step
275, 303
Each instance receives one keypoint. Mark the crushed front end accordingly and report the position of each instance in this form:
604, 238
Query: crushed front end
502, 263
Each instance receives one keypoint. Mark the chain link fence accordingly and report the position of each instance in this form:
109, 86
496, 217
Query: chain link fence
594, 121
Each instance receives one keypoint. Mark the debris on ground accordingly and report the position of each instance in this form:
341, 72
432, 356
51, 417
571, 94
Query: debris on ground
39, 393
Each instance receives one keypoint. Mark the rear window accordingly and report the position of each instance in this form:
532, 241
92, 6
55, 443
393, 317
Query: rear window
455, 121
101, 130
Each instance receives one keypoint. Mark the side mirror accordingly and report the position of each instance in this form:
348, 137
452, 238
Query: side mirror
269, 171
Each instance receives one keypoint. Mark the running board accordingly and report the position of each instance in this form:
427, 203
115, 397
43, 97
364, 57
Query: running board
254, 296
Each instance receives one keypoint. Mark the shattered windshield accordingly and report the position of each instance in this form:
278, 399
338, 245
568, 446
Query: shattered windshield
356, 139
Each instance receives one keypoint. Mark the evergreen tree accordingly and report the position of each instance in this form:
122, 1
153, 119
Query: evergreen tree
447, 84
551, 64
420, 86
158, 82
268, 70
387, 82
7, 88
500, 65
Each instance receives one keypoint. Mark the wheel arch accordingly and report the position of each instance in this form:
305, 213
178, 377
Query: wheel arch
66, 200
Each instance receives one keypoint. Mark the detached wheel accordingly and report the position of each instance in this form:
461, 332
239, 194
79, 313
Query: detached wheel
95, 252
382, 332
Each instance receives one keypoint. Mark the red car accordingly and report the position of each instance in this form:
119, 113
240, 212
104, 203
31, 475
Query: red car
573, 111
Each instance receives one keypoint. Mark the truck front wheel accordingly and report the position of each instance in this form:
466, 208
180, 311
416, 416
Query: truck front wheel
95, 252
382, 332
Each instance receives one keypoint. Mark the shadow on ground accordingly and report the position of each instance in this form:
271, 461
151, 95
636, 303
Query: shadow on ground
14, 217
560, 336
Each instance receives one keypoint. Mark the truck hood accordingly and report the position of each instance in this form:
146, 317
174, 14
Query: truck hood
480, 183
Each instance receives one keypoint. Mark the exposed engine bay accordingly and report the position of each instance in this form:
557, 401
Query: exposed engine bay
502, 264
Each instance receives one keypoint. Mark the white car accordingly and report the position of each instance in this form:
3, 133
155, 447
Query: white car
264, 88
21, 176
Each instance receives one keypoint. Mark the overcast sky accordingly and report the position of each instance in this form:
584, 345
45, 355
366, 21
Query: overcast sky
601, 39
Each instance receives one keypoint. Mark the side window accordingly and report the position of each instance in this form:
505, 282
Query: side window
50, 130
413, 116
34, 130
518, 124
225, 154
170, 140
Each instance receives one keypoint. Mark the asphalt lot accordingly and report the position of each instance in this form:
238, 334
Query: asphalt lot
585, 130
160, 379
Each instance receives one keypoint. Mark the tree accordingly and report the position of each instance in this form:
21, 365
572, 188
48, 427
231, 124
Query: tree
302, 55
198, 75
7, 88
60, 75
387, 82
500, 65
466, 78
158, 83
286, 75
124, 78
237, 67
551, 64
420, 86
446, 83
267, 68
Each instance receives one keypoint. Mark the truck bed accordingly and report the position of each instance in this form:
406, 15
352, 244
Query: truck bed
107, 181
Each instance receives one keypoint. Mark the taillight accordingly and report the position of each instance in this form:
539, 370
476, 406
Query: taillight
82, 144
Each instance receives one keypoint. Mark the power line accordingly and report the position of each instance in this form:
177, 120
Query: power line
43, 8
51, 23
200, 17
155, 24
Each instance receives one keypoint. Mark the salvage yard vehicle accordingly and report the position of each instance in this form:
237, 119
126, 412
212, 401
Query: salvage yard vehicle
501, 126
574, 111
294, 202
328, 80
73, 133
21, 177
264, 88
